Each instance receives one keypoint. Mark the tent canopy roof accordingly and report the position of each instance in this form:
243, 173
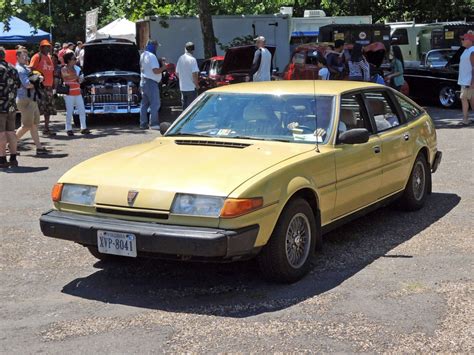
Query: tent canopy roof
21, 32
120, 28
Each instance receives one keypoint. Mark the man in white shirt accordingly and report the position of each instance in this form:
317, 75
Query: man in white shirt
466, 76
262, 62
188, 73
150, 73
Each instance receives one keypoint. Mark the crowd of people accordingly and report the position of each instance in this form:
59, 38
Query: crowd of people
30, 87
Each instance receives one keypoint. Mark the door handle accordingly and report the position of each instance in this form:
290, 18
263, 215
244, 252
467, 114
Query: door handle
377, 149
406, 136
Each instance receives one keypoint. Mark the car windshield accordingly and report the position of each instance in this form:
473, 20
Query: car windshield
288, 118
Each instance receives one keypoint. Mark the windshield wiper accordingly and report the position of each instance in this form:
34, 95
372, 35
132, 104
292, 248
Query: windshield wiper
187, 135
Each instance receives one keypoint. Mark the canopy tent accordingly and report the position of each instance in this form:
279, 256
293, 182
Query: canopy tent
21, 32
120, 28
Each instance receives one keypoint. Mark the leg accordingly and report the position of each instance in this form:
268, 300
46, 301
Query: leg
145, 104
11, 137
3, 145
34, 128
46, 122
82, 111
69, 101
154, 104
465, 109
26, 111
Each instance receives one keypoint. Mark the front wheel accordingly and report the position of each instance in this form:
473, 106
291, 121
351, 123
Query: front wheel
287, 256
447, 96
417, 188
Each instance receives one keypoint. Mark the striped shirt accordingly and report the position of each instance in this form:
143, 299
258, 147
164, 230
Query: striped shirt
359, 70
71, 79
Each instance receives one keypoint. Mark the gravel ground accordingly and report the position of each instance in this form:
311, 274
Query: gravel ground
388, 282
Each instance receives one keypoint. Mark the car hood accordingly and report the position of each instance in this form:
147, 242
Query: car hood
240, 59
114, 56
159, 169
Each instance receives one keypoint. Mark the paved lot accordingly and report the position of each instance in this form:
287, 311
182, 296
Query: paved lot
390, 281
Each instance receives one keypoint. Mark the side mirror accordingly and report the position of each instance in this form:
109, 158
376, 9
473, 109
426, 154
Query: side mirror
164, 127
354, 136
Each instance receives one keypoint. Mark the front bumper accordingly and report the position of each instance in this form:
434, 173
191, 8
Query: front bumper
152, 238
436, 161
106, 110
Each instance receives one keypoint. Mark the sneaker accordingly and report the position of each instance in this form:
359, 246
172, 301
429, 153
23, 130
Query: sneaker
70, 133
156, 128
85, 131
14, 163
143, 127
41, 151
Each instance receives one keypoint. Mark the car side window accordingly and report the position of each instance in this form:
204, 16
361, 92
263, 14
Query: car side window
298, 58
410, 111
380, 109
352, 114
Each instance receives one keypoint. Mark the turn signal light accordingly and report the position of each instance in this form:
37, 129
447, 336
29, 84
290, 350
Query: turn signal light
237, 207
56, 192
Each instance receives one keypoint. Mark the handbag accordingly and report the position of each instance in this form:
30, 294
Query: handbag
62, 89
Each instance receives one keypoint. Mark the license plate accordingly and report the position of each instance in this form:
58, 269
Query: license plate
110, 108
124, 244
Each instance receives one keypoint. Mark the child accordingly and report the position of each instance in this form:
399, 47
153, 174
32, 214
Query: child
323, 72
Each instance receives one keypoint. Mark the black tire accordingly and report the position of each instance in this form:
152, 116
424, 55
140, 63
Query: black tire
418, 186
447, 96
106, 257
274, 260
77, 121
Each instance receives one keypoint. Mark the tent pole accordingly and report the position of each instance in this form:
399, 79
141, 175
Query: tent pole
50, 24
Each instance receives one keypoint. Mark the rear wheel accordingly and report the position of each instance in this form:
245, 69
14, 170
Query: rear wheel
417, 188
287, 256
447, 96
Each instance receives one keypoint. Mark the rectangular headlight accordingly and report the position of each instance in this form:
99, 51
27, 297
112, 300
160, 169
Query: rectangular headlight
197, 205
78, 194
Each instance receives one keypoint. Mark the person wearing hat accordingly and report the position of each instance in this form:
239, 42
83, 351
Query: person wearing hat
188, 73
150, 73
466, 76
43, 63
261, 69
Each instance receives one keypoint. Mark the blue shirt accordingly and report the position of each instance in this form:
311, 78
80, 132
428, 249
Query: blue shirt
23, 73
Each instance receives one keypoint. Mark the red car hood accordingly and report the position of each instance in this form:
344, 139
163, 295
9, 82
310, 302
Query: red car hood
239, 59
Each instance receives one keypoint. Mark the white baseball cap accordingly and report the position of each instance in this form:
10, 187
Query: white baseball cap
260, 38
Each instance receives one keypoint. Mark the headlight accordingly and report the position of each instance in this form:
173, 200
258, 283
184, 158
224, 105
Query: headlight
197, 205
77, 194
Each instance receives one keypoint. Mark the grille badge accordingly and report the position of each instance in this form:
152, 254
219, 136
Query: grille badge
131, 197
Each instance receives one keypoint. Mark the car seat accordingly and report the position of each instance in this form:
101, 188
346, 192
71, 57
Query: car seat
260, 119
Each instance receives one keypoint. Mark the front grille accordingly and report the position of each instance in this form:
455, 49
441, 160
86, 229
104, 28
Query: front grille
212, 143
144, 214
109, 99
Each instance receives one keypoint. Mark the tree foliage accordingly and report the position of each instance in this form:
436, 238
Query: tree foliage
68, 16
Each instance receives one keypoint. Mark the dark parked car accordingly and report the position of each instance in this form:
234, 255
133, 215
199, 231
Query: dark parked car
436, 78
232, 68
111, 77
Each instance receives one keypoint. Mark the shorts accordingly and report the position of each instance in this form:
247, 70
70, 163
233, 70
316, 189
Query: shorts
46, 103
30, 114
7, 121
467, 93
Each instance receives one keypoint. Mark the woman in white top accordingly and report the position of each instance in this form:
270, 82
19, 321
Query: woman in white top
359, 69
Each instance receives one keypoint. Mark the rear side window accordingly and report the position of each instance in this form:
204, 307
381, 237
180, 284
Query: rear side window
410, 111
351, 114
400, 36
378, 104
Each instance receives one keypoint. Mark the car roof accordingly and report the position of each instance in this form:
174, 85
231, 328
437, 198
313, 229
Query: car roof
291, 87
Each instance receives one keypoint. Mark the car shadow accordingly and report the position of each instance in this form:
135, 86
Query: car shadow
237, 289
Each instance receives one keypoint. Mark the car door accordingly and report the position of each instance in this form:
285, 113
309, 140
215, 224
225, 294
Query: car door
358, 166
397, 140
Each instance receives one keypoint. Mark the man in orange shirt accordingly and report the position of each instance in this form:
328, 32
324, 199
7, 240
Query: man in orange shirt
43, 63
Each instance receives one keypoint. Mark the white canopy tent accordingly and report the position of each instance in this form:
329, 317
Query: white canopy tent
120, 28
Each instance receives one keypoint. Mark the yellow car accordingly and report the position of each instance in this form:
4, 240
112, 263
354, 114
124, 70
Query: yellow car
251, 170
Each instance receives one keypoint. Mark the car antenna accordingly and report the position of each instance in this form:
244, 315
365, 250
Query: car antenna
314, 111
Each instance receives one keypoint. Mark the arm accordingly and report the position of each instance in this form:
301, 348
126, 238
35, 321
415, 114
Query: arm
34, 62
256, 62
195, 74
472, 64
